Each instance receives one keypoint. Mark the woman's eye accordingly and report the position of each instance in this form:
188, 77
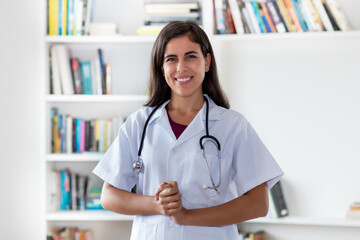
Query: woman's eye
170, 59
191, 56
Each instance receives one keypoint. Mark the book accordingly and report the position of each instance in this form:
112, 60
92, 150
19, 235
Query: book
76, 75
55, 73
299, 15
103, 29
79, 6
306, 15
235, 10
323, 16
85, 68
276, 17
247, 18
314, 16
253, 18
277, 195
102, 68
219, 8
268, 17
108, 78
338, 15
293, 16
62, 56
53, 17
259, 18
70, 17
285, 15
331, 17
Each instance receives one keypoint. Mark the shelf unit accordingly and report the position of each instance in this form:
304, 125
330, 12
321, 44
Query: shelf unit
238, 58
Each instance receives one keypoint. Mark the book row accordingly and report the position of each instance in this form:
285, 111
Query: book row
271, 16
69, 234
69, 17
77, 135
158, 14
69, 76
70, 191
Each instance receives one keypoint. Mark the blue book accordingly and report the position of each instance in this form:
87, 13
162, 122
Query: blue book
60, 17
268, 29
258, 16
63, 201
78, 134
300, 17
85, 68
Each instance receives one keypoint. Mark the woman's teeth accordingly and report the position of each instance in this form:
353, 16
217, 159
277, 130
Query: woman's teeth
183, 79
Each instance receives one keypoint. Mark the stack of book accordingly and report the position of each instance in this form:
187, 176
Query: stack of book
69, 76
277, 204
69, 234
77, 135
159, 13
354, 211
271, 16
69, 17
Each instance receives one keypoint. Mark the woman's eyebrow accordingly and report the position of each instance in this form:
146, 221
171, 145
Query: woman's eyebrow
191, 52
171, 55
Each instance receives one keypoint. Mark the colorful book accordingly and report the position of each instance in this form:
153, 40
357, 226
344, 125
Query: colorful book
268, 17
253, 18
299, 15
235, 10
306, 15
293, 16
322, 13
259, 18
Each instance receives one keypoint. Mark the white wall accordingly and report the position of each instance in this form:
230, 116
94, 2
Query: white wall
21, 31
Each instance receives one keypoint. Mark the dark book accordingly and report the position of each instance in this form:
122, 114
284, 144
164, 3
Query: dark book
280, 15
87, 136
102, 68
331, 17
76, 75
277, 195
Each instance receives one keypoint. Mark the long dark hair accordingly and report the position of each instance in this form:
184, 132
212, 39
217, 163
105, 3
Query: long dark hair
159, 89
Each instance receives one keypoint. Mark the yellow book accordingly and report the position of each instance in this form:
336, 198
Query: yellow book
105, 135
53, 17
55, 135
64, 17
285, 14
97, 133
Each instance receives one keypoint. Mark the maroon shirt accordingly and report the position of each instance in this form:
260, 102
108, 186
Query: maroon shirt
177, 128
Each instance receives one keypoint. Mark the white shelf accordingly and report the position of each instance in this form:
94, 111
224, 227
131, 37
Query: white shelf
80, 157
88, 215
96, 98
325, 222
100, 39
277, 36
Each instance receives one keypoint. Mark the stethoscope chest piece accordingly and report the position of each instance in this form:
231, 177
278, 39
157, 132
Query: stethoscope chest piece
137, 165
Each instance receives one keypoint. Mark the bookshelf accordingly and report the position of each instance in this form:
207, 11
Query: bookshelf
305, 80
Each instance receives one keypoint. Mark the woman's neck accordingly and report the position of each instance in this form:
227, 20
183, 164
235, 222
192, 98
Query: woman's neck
183, 110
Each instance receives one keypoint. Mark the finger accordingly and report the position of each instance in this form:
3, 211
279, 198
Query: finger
162, 187
168, 192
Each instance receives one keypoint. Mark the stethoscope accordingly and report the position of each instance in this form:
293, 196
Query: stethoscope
207, 137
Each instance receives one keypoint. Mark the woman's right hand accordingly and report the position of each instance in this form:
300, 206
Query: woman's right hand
168, 198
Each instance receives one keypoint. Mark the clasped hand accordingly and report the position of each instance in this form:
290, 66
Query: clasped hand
168, 199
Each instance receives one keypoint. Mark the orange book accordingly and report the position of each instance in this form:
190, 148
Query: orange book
267, 16
293, 16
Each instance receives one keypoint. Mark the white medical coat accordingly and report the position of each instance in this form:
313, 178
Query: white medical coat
245, 161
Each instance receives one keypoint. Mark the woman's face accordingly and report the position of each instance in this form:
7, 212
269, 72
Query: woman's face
184, 66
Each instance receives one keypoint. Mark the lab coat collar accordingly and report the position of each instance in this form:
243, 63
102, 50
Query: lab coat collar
197, 125
214, 111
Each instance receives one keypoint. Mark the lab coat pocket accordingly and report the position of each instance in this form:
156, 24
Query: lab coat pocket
144, 231
197, 176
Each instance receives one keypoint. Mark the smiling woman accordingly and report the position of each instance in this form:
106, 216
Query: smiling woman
183, 187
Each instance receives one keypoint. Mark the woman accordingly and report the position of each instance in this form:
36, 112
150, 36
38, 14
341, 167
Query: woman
181, 192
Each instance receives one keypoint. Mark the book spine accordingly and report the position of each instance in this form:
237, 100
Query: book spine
82, 135
322, 13
279, 200
248, 20
219, 16
299, 15
78, 134
306, 14
253, 20
86, 77
316, 21
338, 15
235, 10
108, 78
69, 134
285, 15
53, 16
331, 17
268, 17
103, 72
64, 17
279, 25
258, 16
293, 16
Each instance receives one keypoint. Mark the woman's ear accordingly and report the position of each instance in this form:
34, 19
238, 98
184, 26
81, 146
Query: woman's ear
207, 62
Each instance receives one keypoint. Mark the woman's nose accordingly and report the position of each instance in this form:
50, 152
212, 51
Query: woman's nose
181, 66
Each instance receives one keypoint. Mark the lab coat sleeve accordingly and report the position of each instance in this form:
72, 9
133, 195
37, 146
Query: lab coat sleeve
116, 165
252, 163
